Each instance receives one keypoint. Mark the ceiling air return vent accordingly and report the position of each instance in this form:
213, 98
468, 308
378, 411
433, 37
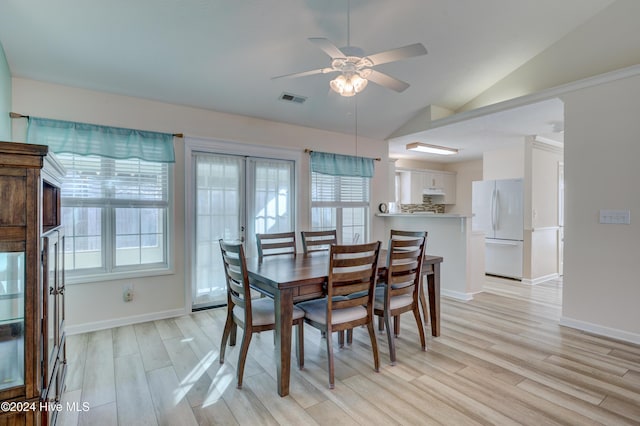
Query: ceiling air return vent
290, 97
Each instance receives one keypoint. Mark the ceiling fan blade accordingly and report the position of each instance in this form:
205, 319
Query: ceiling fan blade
392, 55
305, 73
387, 81
328, 47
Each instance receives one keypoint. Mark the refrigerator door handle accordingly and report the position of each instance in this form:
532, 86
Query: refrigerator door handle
497, 209
493, 209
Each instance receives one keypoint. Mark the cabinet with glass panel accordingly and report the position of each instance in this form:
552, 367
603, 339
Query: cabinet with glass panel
32, 349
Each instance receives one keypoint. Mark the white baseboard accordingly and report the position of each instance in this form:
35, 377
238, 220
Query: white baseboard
601, 330
119, 322
456, 294
540, 280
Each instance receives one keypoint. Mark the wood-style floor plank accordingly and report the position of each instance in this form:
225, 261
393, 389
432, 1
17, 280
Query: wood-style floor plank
169, 398
98, 385
154, 354
135, 406
501, 359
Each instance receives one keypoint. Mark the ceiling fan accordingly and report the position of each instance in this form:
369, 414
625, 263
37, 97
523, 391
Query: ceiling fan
355, 68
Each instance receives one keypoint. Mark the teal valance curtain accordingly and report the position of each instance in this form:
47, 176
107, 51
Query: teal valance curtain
341, 165
105, 141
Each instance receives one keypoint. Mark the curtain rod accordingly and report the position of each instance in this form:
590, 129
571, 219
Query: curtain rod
16, 115
309, 151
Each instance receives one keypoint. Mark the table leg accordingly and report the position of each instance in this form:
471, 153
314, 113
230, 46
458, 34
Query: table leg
433, 282
283, 300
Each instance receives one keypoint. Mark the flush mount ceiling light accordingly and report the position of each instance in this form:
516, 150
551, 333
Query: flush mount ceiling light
431, 149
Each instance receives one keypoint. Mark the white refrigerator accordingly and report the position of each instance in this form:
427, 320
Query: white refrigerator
497, 207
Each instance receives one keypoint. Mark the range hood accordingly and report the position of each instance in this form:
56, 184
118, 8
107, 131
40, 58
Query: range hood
433, 191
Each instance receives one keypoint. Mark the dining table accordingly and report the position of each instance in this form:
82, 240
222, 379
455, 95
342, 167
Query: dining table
292, 279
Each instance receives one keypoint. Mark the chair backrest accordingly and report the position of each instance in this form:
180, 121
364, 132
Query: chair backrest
404, 265
414, 234
276, 244
353, 270
318, 240
235, 270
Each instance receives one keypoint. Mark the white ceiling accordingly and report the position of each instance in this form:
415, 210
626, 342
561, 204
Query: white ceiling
487, 132
221, 55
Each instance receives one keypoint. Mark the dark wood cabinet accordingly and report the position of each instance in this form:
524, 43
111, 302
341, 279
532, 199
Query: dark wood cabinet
32, 339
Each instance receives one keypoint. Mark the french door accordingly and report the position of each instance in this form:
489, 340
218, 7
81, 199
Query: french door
235, 197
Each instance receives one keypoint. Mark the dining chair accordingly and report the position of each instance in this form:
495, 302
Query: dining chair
283, 243
352, 270
252, 315
313, 241
400, 289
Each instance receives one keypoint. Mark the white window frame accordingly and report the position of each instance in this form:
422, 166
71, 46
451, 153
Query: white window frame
338, 205
108, 241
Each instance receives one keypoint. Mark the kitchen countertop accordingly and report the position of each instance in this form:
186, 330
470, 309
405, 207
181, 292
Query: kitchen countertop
423, 215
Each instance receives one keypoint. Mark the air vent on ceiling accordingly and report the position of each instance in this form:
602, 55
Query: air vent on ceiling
290, 97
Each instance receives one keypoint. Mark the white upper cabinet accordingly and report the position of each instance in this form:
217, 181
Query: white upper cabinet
414, 183
412, 186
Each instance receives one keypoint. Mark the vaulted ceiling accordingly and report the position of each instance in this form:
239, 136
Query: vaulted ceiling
221, 55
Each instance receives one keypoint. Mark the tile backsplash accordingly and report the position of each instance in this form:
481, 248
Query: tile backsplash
427, 206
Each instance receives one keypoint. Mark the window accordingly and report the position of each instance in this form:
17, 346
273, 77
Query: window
115, 214
341, 203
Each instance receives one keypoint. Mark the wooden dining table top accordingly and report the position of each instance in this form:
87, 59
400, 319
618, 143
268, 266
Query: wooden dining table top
292, 271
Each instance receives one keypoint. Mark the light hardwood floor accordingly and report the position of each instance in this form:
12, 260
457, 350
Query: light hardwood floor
501, 359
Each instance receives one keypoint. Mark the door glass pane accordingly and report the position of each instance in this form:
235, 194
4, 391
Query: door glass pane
12, 285
219, 183
270, 200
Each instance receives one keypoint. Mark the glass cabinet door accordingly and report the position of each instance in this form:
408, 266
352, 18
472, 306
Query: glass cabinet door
12, 287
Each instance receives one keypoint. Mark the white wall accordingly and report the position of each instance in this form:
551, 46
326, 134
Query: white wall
100, 305
601, 285
466, 173
505, 163
406, 163
5, 98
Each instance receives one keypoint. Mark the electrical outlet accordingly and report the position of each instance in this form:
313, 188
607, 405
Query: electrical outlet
127, 292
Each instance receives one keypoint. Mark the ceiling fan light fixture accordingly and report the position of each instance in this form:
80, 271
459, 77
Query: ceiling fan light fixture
348, 85
431, 149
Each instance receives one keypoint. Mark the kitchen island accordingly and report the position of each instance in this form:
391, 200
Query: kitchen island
449, 236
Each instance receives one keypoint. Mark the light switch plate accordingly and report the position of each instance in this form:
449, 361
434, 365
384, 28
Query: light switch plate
621, 217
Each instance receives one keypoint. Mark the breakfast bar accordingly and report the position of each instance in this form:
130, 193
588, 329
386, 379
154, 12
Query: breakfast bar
450, 236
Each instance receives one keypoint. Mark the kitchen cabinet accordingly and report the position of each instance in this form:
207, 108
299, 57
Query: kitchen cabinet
412, 186
414, 183
32, 339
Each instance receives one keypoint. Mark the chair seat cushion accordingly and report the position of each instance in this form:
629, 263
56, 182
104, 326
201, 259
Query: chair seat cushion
263, 313
396, 302
316, 311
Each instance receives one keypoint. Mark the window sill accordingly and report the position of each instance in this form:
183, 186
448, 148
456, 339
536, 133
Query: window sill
114, 276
